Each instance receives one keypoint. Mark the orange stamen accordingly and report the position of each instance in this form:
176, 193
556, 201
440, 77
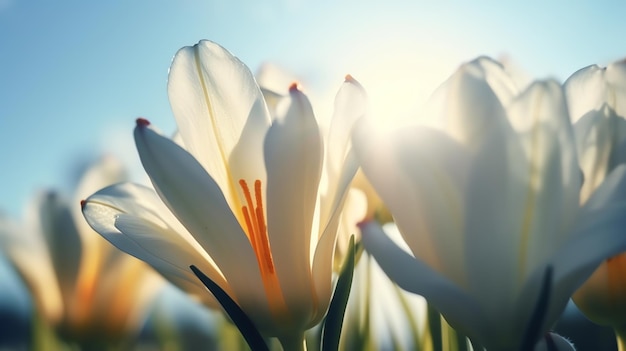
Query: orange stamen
257, 230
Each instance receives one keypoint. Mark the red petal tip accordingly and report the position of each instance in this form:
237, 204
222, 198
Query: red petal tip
142, 122
364, 222
349, 78
293, 87
82, 204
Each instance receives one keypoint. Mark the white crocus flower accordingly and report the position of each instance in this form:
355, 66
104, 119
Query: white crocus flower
89, 291
597, 100
241, 200
489, 206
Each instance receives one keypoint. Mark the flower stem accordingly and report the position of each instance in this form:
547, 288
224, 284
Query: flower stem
293, 342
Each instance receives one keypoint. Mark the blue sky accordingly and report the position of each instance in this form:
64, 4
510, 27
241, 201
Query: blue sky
74, 74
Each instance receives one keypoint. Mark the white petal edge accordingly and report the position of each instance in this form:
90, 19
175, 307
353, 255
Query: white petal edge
215, 98
132, 218
459, 308
196, 200
293, 156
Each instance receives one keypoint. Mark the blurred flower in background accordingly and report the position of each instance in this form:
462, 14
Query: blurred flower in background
487, 201
89, 292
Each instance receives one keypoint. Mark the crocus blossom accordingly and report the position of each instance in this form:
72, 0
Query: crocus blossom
240, 196
90, 292
597, 100
486, 198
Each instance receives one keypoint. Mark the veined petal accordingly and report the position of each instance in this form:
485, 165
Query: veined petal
459, 308
198, 202
215, 98
293, 157
133, 218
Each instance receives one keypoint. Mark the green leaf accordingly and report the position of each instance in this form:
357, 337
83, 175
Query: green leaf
533, 329
434, 327
236, 314
331, 331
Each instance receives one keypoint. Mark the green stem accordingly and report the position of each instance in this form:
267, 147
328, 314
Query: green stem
293, 342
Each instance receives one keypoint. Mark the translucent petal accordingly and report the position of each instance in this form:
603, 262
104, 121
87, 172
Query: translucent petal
551, 176
459, 308
419, 174
57, 225
323, 258
133, 218
470, 101
293, 155
215, 98
198, 202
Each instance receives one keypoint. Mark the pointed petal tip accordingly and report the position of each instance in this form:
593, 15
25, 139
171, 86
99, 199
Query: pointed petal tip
349, 78
142, 122
366, 221
83, 203
293, 87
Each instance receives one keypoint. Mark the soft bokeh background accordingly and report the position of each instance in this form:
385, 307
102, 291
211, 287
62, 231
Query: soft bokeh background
75, 74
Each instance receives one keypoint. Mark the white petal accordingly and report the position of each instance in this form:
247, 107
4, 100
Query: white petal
215, 98
600, 140
410, 170
26, 250
198, 202
493, 220
551, 175
107, 170
612, 190
466, 104
293, 156
592, 87
599, 235
323, 258
459, 308
350, 104
133, 218
585, 91
63, 240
